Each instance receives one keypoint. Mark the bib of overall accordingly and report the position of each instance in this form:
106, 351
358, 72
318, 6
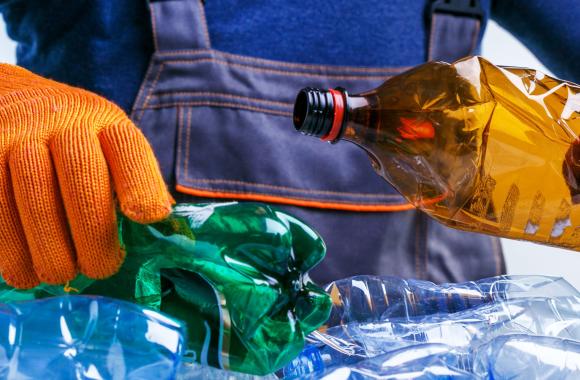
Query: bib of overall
221, 127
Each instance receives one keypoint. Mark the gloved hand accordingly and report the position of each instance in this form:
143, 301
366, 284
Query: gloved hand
60, 147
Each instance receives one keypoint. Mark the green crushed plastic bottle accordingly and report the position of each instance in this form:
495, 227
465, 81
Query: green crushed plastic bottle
235, 273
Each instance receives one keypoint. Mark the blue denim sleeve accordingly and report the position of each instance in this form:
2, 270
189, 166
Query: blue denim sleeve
102, 46
550, 29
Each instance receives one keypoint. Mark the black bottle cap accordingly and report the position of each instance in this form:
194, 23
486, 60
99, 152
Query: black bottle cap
314, 112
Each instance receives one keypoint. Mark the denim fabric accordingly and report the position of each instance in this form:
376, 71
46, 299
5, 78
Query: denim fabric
105, 45
550, 29
220, 124
101, 46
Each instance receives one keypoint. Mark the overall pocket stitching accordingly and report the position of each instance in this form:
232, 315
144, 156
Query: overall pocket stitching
290, 189
268, 62
295, 201
219, 104
187, 142
225, 95
346, 202
145, 87
277, 71
179, 162
187, 177
150, 92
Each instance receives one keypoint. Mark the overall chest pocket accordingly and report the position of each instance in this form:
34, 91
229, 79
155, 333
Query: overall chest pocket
221, 126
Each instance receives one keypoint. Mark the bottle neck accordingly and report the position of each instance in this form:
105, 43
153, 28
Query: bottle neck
321, 113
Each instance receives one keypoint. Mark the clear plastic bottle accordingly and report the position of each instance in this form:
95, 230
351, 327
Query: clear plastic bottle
422, 361
514, 357
87, 337
375, 317
316, 359
375, 298
523, 357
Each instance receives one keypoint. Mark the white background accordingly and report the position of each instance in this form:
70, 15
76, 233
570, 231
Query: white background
522, 258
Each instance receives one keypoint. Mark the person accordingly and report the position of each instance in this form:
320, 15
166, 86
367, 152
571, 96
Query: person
211, 86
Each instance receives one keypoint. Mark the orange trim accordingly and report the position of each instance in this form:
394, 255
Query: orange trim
294, 201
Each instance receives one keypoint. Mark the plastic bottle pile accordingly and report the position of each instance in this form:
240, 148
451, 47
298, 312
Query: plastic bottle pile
510, 327
234, 277
87, 337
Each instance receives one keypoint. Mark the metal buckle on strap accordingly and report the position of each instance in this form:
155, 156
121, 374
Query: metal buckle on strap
464, 8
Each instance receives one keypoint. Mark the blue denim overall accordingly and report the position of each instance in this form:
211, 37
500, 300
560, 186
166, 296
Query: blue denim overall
221, 127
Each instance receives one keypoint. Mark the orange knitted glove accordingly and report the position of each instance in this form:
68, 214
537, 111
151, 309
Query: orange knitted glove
59, 148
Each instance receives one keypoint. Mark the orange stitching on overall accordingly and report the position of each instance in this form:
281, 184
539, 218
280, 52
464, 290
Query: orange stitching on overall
267, 186
153, 27
179, 134
304, 202
426, 202
153, 86
292, 189
287, 64
220, 104
204, 22
276, 71
142, 87
223, 95
187, 143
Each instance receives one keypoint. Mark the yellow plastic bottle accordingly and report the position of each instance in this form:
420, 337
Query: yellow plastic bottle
478, 147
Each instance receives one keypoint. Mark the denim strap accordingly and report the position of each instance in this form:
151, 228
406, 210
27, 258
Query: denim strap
455, 27
179, 25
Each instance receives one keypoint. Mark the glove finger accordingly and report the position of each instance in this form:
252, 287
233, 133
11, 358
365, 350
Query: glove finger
15, 262
86, 191
42, 213
139, 185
